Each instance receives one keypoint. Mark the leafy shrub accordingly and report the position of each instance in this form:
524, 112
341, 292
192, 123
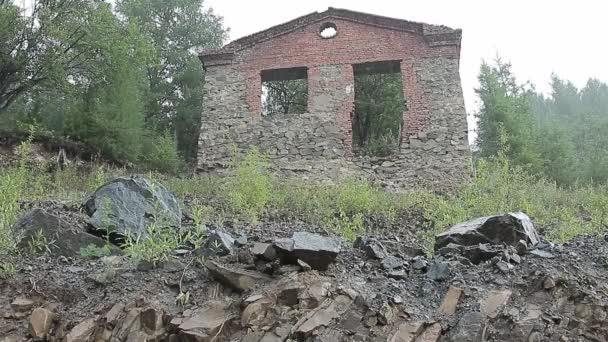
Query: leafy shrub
155, 246
13, 185
7, 269
249, 190
160, 154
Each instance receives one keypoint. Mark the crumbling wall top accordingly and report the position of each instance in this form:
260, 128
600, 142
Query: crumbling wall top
434, 35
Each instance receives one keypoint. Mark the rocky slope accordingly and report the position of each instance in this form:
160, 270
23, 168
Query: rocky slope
382, 290
491, 279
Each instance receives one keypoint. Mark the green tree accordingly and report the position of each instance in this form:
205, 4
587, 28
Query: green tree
177, 29
379, 106
506, 123
91, 87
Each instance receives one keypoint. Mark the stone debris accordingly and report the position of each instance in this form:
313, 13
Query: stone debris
127, 205
21, 304
240, 280
53, 235
494, 301
41, 322
371, 246
315, 250
450, 301
206, 323
506, 229
265, 251
360, 298
439, 271
391, 263
471, 327
82, 332
217, 243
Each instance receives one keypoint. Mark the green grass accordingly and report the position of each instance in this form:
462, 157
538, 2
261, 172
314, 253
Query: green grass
252, 194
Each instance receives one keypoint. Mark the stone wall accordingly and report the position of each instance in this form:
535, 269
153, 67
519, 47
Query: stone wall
433, 149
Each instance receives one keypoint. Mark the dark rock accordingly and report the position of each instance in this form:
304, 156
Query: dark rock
316, 250
411, 251
264, 251
495, 230
372, 247
392, 262
480, 253
521, 247
450, 249
420, 264
263, 266
241, 240
398, 275
56, 235
470, 328
127, 205
439, 271
220, 243
173, 265
240, 280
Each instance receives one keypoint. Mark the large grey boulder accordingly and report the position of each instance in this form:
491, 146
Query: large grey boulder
315, 250
127, 205
48, 233
506, 229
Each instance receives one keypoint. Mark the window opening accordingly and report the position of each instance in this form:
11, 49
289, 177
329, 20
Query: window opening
379, 104
284, 91
328, 30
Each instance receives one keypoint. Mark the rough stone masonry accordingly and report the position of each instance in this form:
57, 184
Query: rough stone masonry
433, 149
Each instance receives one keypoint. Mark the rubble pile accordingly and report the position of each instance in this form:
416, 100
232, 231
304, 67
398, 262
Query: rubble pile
490, 279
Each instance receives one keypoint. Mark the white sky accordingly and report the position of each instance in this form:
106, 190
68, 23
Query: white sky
538, 36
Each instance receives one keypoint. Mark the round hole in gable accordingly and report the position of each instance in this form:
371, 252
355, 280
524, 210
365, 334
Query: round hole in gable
328, 30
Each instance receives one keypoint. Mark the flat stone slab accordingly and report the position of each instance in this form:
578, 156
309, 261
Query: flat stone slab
450, 301
315, 250
240, 280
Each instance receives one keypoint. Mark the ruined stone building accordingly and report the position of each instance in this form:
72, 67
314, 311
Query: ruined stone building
327, 50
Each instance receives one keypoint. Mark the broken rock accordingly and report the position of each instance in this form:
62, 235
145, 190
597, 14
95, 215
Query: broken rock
506, 229
82, 331
264, 251
470, 328
41, 321
450, 301
494, 301
240, 280
392, 262
439, 271
61, 238
218, 243
372, 247
21, 304
315, 250
206, 323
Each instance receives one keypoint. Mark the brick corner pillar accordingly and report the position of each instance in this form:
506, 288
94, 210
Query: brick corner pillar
416, 108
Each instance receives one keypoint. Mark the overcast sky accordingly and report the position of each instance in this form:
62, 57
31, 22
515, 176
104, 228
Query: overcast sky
538, 36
